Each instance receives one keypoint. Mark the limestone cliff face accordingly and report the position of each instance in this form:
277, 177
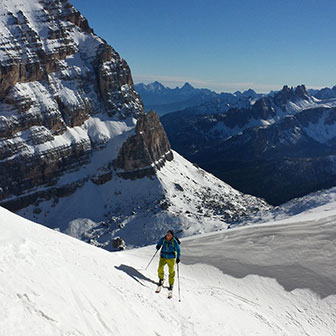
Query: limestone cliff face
146, 151
64, 95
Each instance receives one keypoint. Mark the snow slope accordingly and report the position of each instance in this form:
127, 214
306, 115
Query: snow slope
275, 280
180, 196
316, 205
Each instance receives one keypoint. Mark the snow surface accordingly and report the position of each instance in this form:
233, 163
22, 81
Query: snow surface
272, 279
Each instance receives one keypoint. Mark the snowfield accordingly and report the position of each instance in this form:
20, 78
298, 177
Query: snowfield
270, 279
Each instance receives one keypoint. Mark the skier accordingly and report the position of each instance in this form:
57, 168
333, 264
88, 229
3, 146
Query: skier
170, 250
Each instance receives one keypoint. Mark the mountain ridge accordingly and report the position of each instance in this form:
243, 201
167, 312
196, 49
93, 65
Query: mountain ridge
251, 148
164, 99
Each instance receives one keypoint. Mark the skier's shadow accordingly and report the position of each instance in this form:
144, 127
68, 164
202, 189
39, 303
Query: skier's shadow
134, 274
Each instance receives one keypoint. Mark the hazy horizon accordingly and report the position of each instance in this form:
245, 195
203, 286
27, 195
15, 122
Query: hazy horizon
179, 84
221, 45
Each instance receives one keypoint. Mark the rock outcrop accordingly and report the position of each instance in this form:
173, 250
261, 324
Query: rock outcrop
146, 151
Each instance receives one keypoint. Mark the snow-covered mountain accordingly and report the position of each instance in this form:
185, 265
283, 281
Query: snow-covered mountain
77, 150
64, 94
285, 140
325, 93
179, 196
162, 99
271, 279
195, 101
268, 110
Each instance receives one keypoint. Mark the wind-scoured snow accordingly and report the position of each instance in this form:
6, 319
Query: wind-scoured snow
272, 279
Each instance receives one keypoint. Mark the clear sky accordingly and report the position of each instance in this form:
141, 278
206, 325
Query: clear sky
224, 45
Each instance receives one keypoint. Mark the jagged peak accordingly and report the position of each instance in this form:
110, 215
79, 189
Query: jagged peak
154, 86
286, 89
249, 91
289, 94
301, 91
157, 83
263, 105
187, 86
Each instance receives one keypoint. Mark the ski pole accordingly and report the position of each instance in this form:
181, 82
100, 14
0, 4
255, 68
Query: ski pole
178, 278
151, 259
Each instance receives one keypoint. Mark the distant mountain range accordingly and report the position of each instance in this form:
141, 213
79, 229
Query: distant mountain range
325, 93
164, 100
280, 147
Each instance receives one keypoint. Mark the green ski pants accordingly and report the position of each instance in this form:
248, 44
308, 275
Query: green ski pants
171, 266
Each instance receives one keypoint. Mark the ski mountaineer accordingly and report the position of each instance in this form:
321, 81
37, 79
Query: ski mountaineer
170, 250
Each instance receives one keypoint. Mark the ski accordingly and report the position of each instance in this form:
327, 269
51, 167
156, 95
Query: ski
158, 289
170, 294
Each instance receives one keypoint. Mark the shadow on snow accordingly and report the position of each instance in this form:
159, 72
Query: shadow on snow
134, 274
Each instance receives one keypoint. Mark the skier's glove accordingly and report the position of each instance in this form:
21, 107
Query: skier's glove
158, 247
177, 260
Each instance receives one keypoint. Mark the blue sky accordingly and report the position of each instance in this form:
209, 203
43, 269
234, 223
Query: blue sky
221, 45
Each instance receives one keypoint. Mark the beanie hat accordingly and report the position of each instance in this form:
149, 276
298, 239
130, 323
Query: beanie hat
171, 232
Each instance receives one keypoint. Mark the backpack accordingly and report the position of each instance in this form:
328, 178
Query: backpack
178, 240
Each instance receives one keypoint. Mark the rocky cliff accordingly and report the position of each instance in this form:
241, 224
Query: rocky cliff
64, 94
146, 151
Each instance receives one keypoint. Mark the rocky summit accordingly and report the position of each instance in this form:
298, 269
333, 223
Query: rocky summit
64, 93
146, 151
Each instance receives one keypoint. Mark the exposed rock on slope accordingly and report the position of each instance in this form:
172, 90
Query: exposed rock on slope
146, 151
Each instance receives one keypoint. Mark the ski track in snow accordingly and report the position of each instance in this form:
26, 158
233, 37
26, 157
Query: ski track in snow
52, 284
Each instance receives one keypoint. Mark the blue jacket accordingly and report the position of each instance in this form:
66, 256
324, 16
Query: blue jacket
170, 249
